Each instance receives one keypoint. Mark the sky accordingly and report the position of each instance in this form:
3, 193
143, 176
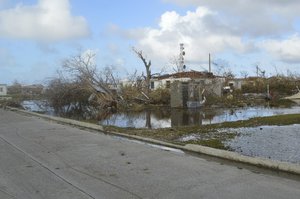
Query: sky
37, 35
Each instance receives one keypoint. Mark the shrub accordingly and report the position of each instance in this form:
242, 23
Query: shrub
160, 96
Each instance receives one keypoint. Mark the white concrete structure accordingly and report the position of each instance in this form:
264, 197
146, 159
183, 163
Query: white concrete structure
208, 80
236, 83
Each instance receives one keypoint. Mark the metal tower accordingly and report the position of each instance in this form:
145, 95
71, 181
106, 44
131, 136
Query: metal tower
182, 66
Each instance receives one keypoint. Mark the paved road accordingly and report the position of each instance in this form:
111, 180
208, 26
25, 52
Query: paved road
43, 159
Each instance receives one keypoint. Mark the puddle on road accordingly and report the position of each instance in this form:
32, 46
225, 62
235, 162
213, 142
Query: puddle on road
280, 143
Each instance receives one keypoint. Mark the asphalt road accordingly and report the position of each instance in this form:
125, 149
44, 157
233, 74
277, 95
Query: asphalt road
42, 159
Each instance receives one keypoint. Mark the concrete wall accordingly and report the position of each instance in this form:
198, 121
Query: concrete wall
237, 83
179, 94
182, 92
163, 83
215, 86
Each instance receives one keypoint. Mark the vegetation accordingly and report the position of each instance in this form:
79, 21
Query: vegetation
147, 65
81, 88
17, 93
160, 96
279, 85
67, 97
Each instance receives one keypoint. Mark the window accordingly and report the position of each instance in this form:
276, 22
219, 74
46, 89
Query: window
152, 85
1, 89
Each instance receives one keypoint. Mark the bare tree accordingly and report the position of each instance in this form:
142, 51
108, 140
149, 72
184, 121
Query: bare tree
244, 74
174, 61
223, 68
147, 65
109, 77
82, 67
15, 88
66, 97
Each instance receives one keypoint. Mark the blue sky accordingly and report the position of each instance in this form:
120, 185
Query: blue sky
36, 35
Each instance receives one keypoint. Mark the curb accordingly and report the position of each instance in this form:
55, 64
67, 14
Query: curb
228, 155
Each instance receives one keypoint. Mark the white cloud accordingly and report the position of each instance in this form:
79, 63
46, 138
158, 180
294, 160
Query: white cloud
119, 63
192, 29
48, 21
284, 50
90, 56
235, 28
252, 17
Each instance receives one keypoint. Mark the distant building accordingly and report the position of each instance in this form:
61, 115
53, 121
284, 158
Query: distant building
33, 90
188, 88
3, 90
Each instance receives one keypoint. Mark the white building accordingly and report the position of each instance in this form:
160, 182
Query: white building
3, 90
207, 79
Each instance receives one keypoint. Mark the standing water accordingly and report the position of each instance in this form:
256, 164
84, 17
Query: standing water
272, 142
164, 118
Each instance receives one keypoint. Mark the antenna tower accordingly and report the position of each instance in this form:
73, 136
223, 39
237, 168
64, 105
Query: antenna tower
182, 66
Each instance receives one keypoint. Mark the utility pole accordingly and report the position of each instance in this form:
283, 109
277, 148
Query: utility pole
259, 72
209, 63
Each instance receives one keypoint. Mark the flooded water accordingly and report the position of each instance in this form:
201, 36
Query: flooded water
165, 117
41, 106
273, 142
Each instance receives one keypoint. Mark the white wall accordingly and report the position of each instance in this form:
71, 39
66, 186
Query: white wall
162, 83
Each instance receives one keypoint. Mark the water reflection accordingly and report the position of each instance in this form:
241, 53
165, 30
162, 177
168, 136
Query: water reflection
166, 117
145, 119
191, 117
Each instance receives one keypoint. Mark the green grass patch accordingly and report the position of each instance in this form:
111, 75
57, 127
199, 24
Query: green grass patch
214, 143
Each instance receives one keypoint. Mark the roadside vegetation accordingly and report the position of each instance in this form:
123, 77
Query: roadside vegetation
17, 93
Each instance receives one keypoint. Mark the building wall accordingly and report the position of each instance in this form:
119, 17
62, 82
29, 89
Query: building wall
164, 82
3, 90
179, 94
215, 85
236, 83
182, 92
